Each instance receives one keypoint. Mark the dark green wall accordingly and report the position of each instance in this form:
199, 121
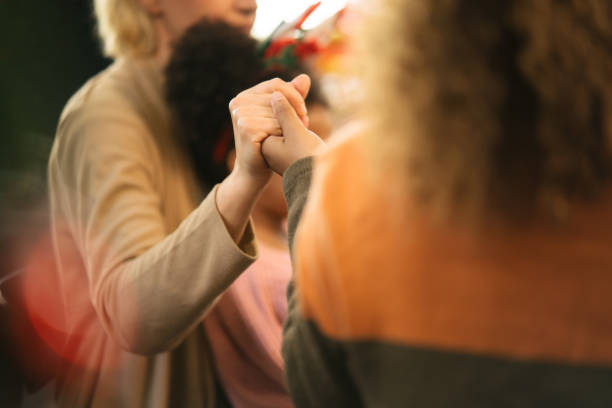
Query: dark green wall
47, 50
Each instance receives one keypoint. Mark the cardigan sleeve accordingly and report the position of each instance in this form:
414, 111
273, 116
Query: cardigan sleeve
148, 287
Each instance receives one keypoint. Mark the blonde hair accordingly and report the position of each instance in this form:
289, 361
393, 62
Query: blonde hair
125, 28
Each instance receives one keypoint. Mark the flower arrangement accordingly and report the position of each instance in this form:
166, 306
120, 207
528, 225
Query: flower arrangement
290, 44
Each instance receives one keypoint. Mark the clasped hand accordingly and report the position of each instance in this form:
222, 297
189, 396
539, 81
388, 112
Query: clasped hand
270, 127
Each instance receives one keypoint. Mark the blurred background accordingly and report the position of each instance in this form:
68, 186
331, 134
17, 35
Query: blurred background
47, 50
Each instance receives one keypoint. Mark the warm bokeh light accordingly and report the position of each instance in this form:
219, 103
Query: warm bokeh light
271, 13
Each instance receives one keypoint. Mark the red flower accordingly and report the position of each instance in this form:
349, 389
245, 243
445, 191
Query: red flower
307, 48
277, 46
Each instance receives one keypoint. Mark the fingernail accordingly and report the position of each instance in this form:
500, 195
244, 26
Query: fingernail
276, 97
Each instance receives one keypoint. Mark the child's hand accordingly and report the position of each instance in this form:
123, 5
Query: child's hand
254, 120
296, 141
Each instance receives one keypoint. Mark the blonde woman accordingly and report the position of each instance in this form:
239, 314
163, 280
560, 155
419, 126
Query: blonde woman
142, 254
457, 253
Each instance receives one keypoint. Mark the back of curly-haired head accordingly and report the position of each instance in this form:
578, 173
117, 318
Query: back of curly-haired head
497, 108
211, 63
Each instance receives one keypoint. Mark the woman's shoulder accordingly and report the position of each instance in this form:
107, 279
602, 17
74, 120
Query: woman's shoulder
105, 115
105, 92
127, 93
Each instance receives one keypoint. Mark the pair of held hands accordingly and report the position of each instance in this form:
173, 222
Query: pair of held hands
270, 124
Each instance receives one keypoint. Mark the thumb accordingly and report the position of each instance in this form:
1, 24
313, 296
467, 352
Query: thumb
302, 84
285, 114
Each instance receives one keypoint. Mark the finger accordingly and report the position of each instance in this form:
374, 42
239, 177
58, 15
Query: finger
288, 119
249, 110
302, 84
291, 93
270, 126
249, 104
250, 99
256, 129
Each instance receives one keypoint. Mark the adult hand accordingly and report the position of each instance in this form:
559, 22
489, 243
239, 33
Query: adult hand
296, 141
254, 120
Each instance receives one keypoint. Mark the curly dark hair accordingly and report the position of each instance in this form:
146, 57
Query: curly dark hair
212, 63
496, 106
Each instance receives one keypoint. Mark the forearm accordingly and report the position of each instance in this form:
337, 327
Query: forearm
314, 364
296, 184
149, 287
153, 300
235, 199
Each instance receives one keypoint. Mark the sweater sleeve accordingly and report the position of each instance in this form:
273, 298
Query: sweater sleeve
315, 365
296, 183
148, 287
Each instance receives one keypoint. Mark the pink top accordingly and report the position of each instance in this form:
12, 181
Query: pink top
245, 333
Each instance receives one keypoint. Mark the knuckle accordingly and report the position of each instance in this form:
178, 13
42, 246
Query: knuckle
245, 125
277, 82
233, 104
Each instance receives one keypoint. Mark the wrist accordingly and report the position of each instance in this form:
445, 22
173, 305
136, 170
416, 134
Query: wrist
235, 199
248, 183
